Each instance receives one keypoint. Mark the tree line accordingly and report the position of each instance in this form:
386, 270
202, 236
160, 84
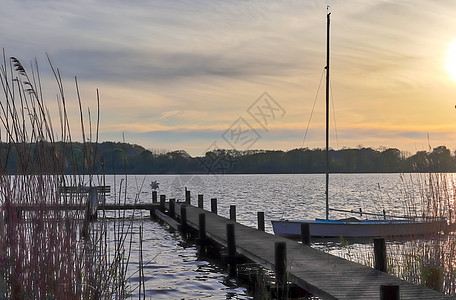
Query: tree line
123, 158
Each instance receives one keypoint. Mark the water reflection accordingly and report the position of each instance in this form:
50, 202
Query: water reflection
172, 269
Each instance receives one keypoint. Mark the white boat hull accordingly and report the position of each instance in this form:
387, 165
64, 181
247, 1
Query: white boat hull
363, 228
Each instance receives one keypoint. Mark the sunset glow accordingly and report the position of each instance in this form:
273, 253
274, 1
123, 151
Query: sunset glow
179, 75
451, 60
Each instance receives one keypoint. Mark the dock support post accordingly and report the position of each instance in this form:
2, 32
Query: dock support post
305, 233
214, 205
233, 213
202, 233
200, 201
92, 204
231, 245
380, 254
281, 269
187, 196
162, 203
172, 208
154, 197
152, 214
260, 217
183, 215
389, 292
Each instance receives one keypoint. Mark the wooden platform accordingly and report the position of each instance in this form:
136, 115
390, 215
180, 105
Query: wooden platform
63, 207
104, 189
323, 275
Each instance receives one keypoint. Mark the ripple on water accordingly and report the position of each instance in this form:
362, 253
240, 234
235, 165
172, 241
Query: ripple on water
172, 269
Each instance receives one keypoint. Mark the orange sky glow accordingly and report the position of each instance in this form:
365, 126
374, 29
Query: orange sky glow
193, 74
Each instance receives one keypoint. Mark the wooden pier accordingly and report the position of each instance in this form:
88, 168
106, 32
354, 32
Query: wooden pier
321, 274
93, 204
63, 207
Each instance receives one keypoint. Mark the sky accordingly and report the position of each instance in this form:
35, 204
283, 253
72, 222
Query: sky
199, 75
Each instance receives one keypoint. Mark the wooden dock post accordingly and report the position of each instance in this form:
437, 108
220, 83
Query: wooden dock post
172, 208
380, 254
183, 215
280, 268
202, 233
92, 204
154, 197
187, 196
231, 245
389, 292
260, 217
214, 205
305, 233
162, 203
233, 213
200, 201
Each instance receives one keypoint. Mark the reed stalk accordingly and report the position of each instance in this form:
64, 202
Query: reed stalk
425, 260
46, 253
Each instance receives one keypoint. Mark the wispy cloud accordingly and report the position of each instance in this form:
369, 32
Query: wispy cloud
164, 68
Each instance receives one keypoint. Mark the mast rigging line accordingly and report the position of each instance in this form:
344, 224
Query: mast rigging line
313, 108
334, 115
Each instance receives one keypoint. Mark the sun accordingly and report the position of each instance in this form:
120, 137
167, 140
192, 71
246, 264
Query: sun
451, 60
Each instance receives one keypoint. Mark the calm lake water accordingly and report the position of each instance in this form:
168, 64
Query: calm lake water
173, 270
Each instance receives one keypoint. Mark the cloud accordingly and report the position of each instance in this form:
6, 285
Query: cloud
167, 114
186, 70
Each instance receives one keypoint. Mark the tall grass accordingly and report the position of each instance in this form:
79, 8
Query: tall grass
425, 260
48, 253
429, 261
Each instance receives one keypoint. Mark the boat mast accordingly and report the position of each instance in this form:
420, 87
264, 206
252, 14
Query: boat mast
327, 114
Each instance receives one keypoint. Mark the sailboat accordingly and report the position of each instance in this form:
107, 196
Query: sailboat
353, 227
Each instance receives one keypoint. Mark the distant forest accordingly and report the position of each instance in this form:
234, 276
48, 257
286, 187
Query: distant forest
123, 158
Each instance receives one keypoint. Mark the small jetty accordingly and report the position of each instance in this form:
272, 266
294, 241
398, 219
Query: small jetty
295, 264
321, 274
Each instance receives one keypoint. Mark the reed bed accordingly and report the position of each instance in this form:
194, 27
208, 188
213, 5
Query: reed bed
425, 260
47, 253
429, 260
